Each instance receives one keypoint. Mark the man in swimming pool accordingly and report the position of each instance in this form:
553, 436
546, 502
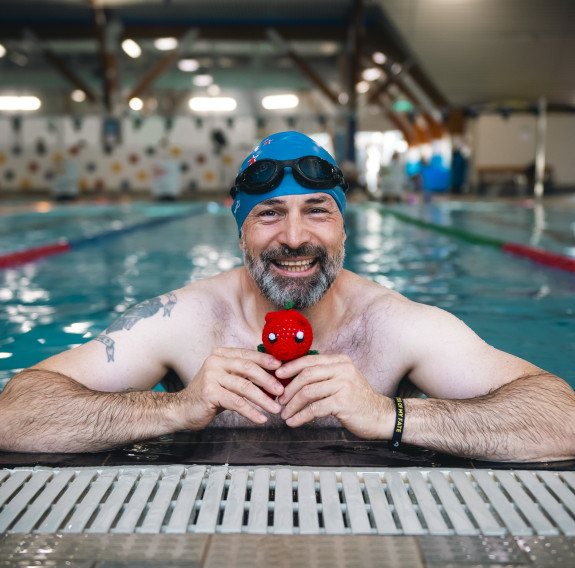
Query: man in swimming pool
289, 202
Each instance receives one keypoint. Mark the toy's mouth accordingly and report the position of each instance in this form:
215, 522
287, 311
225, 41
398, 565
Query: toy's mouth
295, 266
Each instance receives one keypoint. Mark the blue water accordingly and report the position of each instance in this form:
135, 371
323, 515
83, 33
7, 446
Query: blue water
64, 300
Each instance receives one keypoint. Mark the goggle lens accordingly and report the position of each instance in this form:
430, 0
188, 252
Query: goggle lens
260, 172
319, 170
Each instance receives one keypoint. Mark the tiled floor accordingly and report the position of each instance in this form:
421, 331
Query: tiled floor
251, 551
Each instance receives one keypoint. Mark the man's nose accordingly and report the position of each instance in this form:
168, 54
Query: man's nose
294, 231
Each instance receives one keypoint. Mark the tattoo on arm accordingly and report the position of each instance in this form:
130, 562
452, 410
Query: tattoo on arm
109, 343
131, 317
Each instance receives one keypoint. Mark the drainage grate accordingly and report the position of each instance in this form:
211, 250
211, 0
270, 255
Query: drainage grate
280, 500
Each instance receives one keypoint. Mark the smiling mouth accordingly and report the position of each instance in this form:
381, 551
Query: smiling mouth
295, 265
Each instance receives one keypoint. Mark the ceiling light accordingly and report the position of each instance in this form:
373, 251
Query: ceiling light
396, 68
131, 48
203, 80
279, 102
2, 50
343, 98
166, 43
188, 65
362, 87
136, 103
214, 90
78, 96
379, 58
371, 74
20, 103
213, 104
328, 47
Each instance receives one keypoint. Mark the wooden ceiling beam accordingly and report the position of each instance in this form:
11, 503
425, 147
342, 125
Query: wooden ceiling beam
60, 65
281, 45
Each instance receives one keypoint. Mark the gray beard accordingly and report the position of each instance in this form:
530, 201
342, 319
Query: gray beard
304, 292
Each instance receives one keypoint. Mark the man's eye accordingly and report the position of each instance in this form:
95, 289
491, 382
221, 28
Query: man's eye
268, 213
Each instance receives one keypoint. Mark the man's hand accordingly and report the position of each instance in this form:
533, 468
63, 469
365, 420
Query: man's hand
332, 385
230, 379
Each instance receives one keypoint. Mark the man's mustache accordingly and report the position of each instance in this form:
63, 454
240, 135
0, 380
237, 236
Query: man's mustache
288, 252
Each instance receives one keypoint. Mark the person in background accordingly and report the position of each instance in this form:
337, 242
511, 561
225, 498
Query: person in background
393, 181
289, 204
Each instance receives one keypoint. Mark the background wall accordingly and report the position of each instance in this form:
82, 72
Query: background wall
34, 151
499, 141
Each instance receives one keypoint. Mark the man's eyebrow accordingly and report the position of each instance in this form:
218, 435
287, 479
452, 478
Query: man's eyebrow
312, 200
319, 199
271, 201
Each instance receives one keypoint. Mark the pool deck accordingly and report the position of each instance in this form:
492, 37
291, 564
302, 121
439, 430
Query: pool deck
192, 499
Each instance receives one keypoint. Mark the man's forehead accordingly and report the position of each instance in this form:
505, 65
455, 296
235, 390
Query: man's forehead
308, 199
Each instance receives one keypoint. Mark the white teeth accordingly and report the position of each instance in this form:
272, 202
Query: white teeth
295, 265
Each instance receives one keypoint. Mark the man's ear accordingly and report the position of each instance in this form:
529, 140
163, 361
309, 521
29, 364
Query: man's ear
241, 243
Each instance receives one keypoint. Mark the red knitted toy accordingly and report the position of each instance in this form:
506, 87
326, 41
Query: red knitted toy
287, 335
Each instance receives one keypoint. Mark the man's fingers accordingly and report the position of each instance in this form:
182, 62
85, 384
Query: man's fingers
250, 368
316, 409
232, 401
264, 360
308, 376
245, 388
306, 395
296, 366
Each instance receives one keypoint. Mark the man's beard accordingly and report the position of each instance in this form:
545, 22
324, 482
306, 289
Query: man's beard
304, 291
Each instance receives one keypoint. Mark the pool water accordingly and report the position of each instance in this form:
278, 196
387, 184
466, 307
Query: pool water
64, 300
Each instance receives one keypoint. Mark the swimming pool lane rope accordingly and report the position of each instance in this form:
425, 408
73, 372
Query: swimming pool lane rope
540, 256
68, 245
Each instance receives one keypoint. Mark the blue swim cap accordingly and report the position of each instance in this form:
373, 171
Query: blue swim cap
283, 146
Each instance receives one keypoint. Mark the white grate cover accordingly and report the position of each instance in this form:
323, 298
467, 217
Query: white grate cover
281, 500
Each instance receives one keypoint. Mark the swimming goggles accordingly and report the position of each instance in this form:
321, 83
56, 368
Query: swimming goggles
311, 172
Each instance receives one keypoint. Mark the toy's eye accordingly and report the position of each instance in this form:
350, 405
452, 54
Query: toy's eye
299, 337
272, 338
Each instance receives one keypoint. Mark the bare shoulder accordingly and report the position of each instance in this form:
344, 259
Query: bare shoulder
363, 296
208, 297
173, 331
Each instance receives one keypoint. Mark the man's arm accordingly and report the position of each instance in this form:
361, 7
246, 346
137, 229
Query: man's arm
45, 411
529, 419
482, 403
97, 395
